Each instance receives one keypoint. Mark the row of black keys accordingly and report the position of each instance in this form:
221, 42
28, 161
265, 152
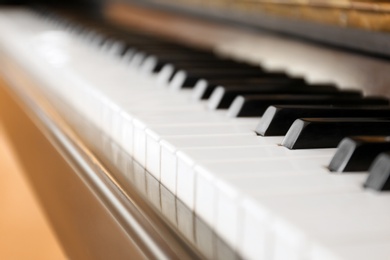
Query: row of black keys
310, 116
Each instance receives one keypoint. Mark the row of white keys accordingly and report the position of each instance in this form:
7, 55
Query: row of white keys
299, 215
178, 125
208, 125
308, 226
110, 109
224, 207
80, 86
173, 161
168, 131
290, 207
107, 108
209, 177
225, 156
173, 209
174, 132
157, 134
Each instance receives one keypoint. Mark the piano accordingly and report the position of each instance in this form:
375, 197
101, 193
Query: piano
205, 129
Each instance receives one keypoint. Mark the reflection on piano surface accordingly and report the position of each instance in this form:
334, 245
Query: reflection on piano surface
224, 139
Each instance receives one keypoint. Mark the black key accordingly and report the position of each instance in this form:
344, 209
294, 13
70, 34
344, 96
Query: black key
250, 106
185, 57
379, 173
308, 133
222, 97
172, 53
188, 79
203, 88
210, 65
156, 64
357, 153
277, 119
193, 60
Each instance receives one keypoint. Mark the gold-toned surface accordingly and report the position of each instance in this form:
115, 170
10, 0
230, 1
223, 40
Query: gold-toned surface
374, 17
24, 230
370, 15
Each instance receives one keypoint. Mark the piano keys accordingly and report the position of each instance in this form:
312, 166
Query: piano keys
261, 199
357, 153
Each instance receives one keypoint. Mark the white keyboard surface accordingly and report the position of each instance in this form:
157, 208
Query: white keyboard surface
264, 200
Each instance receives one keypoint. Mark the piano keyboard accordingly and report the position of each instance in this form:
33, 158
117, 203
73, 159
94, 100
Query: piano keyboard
265, 200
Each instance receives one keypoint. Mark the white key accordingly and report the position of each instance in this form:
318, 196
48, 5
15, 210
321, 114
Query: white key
153, 138
185, 221
170, 146
139, 134
331, 219
153, 161
205, 239
209, 172
186, 159
153, 191
231, 189
168, 205
370, 250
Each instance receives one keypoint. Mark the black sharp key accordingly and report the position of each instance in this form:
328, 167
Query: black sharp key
183, 57
308, 133
379, 173
252, 106
183, 78
203, 88
172, 52
222, 97
188, 79
211, 65
185, 61
169, 50
357, 153
156, 65
277, 120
